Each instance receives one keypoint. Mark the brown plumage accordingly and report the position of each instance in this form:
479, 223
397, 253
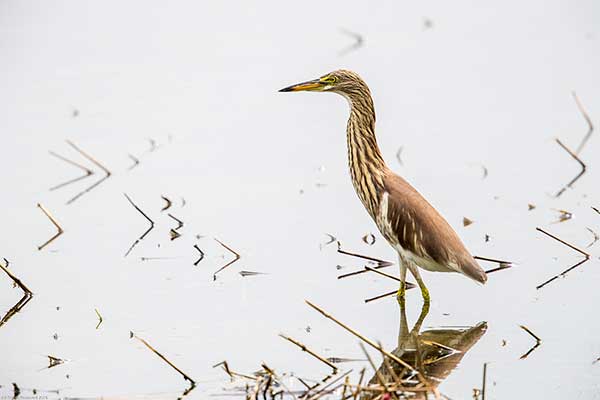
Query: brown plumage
409, 223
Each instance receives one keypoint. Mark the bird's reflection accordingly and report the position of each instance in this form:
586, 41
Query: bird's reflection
433, 353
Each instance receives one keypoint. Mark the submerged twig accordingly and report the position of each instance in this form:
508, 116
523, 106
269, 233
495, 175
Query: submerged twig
360, 271
587, 119
502, 264
538, 341
250, 273
201, 255
237, 257
483, 381
229, 372
581, 163
563, 215
87, 171
179, 222
54, 361
339, 360
27, 295
562, 273
361, 337
586, 255
494, 260
328, 242
99, 318
358, 41
381, 296
596, 237
369, 239
379, 262
16, 280
185, 376
147, 218
378, 374
408, 285
93, 160
135, 160
399, 155
500, 268
563, 242
54, 222
174, 234
309, 351
325, 389
168, 204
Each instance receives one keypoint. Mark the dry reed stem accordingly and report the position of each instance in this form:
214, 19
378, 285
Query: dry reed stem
588, 120
538, 341
378, 375
87, 171
201, 255
16, 280
596, 237
231, 373
381, 296
309, 351
27, 295
494, 260
483, 381
379, 262
185, 376
324, 388
168, 204
581, 163
563, 242
179, 222
360, 379
361, 337
237, 257
145, 216
586, 255
97, 163
407, 284
99, 318
360, 271
54, 222
135, 160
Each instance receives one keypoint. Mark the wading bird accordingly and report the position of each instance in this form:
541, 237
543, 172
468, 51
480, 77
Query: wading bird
419, 234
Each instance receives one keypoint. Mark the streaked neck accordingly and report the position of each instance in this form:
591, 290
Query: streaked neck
364, 158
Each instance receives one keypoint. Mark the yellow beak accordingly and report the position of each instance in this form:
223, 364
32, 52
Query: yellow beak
314, 85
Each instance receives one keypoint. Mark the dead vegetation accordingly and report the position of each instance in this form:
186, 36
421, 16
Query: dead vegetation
146, 232
586, 258
27, 294
192, 383
54, 222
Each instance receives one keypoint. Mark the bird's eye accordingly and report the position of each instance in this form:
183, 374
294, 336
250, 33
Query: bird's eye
330, 79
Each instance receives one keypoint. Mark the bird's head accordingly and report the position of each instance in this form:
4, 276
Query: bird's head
341, 81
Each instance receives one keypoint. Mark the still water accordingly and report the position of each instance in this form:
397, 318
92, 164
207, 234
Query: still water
469, 97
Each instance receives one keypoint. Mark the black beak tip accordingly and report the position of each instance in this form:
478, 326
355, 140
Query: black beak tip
287, 89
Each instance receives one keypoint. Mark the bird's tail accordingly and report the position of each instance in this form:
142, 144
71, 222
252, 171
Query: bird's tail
474, 271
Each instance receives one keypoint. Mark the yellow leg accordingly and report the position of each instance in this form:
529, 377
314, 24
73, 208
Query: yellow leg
424, 292
402, 290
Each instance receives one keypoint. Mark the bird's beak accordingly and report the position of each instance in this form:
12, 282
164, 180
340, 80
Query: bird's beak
311, 86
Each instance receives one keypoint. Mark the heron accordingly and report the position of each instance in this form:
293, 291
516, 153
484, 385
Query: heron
412, 226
